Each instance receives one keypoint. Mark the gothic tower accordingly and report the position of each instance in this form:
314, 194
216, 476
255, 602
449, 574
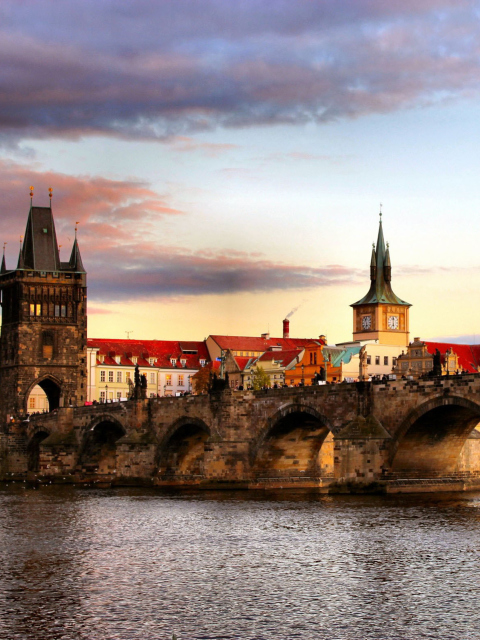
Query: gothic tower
44, 321
381, 315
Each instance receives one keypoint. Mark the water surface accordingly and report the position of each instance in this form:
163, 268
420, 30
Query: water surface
128, 564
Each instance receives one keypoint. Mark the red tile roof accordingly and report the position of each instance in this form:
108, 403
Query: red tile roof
468, 355
247, 343
284, 358
162, 351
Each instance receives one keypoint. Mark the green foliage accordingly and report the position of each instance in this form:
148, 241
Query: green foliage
260, 379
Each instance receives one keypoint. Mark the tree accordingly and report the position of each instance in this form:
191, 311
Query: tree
201, 380
260, 379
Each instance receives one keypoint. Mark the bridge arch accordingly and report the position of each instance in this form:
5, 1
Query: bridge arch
431, 437
98, 449
181, 452
38, 434
51, 386
296, 441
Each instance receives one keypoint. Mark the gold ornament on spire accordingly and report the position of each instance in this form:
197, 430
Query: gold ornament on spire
50, 192
31, 192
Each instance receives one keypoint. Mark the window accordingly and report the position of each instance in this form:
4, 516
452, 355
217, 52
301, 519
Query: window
202, 363
60, 310
102, 396
110, 376
127, 376
151, 361
119, 376
183, 363
168, 379
180, 380
173, 361
377, 359
119, 394
385, 359
102, 376
35, 309
369, 359
394, 362
152, 378
31, 403
47, 345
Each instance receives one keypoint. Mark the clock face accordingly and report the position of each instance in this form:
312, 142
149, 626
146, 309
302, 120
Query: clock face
392, 322
366, 322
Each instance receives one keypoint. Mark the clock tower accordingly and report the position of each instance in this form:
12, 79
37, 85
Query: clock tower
381, 315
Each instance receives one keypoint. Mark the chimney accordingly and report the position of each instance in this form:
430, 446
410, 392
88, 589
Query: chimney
265, 336
286, 328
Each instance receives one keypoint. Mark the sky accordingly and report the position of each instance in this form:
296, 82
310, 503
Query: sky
226, 161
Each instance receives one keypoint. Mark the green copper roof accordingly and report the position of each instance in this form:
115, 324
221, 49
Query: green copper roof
380, 276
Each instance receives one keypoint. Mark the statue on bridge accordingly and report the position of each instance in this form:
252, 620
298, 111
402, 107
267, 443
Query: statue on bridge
218, 384
362, 365
139, 391
437, 364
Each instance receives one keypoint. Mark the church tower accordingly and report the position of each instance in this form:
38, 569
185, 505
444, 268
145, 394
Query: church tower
381, 315
44, 320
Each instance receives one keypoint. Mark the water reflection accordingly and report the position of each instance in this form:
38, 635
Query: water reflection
127, 564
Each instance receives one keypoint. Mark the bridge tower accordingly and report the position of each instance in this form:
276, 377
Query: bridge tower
381, 315
44, 320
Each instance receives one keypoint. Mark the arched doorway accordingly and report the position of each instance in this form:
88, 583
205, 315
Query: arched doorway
33, 450
297, 443
99, 452
183, 454
43, 396
431, 441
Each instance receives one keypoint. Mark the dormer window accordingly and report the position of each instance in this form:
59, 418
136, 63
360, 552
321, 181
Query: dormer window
183, 362
173, 362
117, 359
202, 363
101, 358
151, 361
134, 359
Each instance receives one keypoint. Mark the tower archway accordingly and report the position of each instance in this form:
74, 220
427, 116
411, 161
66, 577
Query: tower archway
44, 394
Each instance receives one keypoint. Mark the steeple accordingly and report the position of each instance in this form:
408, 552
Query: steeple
75, 261
3, 269
380, 275
40, 248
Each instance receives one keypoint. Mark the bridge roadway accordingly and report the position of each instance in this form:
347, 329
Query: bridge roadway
395, 436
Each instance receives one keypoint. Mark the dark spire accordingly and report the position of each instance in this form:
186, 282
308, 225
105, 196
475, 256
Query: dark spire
40, 248
75, 261
380, 275
21, 263
373, 264
387, 267
3, 269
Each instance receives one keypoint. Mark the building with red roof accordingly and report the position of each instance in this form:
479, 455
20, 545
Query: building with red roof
454, 358
167, 364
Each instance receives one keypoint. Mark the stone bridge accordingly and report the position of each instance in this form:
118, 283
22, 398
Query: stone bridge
395, 436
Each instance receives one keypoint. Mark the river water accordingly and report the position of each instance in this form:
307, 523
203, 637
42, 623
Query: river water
133, 564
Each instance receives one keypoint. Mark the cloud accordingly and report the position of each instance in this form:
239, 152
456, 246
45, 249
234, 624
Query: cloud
159, 70
106, 210
118, 223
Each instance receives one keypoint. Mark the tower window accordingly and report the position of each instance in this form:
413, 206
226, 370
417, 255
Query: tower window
47, 345
35, 309
385, 359
377, 359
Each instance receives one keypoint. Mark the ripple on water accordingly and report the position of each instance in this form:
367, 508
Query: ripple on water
128, 564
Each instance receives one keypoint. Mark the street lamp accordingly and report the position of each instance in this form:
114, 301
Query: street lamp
106, 393
303, 374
